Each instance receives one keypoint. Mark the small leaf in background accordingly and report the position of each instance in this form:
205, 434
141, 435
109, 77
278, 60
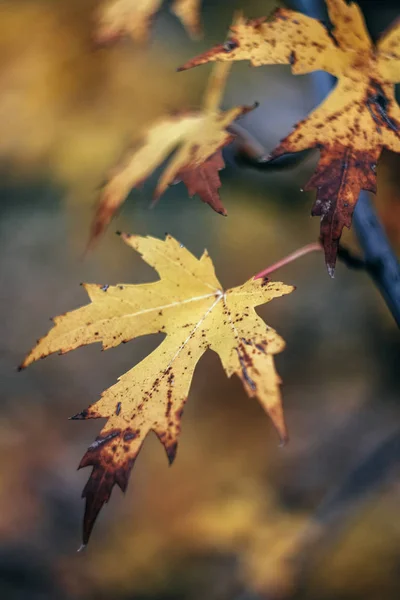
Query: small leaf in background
358, 119
189, 305
117, 18
199, 137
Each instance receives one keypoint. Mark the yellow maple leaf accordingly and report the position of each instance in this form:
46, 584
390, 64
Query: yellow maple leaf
117, 18
200, 137
358, 119
189, 305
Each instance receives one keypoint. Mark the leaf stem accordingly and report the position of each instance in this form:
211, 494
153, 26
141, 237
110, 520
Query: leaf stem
249, 146
217, 82
216, 86
313, 247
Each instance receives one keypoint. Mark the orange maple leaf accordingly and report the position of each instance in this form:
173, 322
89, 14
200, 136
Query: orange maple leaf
357, 120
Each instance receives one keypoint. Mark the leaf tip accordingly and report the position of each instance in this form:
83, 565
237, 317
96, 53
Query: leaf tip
125, 236
331, 270
171, 452
284, 439
79, 416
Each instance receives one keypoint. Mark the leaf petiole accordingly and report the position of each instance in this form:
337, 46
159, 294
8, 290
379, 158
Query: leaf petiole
313, 247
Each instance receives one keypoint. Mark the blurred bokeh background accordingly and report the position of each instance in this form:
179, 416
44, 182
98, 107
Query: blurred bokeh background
236, 517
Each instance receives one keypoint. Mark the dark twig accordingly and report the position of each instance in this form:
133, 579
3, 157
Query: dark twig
250, 153
352, 261
248, 145
379, 256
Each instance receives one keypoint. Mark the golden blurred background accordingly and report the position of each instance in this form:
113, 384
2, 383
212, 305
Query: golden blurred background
236, 517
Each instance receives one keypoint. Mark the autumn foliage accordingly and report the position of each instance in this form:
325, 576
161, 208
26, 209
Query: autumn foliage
357, 120
188, 304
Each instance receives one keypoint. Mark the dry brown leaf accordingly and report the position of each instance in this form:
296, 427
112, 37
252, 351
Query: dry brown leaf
205, 182
117, 18
358, 119
200, 137
189, 305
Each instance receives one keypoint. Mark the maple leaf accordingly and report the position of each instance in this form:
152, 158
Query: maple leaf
117, 18
356, 121
200, 137
189, 305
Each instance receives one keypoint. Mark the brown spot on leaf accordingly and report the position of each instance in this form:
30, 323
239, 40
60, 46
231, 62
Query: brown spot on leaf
378, 104
244, 368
